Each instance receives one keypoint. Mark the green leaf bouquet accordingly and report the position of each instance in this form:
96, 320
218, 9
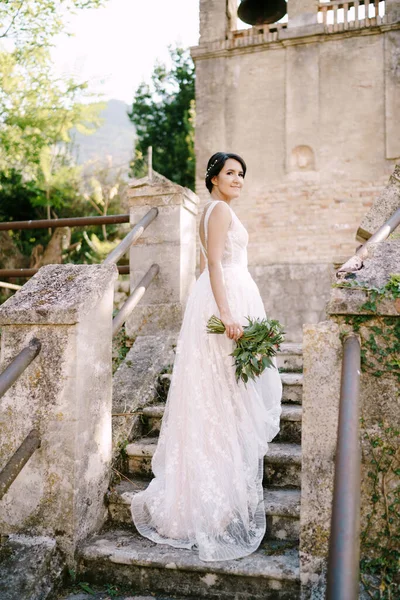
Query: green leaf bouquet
256, 348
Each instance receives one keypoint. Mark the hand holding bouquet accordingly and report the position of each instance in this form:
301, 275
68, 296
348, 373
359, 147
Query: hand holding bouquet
255, 349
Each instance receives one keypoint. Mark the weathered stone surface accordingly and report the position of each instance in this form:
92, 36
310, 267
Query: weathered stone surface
383, 208
66, 394
383, 260
58, 294
292, 387
290, 358
322, 354
30, 568
123, 557
170, 242
135, 381
285, 286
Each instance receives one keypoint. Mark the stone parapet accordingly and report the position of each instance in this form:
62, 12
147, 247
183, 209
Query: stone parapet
377, 326
170, 242
66, 394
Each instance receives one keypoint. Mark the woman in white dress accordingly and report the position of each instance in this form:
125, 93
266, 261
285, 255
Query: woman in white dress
208, 466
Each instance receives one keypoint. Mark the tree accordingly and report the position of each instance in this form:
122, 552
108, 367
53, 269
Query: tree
163, 113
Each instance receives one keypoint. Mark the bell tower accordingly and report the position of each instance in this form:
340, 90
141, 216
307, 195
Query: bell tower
311, 103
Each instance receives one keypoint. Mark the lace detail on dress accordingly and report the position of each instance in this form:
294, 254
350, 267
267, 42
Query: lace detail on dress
235, 251
208, 466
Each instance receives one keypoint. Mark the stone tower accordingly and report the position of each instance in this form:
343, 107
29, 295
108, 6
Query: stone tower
312, 105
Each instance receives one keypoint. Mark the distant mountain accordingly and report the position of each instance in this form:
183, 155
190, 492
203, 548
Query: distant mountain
115, 137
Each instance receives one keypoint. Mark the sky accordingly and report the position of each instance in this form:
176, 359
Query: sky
115, 47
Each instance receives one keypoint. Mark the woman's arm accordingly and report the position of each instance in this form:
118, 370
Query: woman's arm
218, 226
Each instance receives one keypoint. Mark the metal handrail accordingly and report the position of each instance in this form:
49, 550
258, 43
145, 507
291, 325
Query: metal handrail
122, 270
356, 262
67, 222
134, 298
18, 365
18, 460
131, 237
344, 546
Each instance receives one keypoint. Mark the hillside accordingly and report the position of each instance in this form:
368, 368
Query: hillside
115, 137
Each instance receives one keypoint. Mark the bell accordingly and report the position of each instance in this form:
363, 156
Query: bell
260, 12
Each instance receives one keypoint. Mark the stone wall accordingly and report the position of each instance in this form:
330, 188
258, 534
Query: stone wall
66, 394
379, 421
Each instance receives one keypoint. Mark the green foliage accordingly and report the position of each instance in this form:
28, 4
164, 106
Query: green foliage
380, 538
255, 349
374, 294
163, 114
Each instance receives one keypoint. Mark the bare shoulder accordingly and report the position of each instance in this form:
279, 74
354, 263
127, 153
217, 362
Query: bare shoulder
221, 213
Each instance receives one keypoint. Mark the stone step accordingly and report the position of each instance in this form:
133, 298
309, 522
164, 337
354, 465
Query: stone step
282, 462
282, 508
125, 558
290, 357
290, 422
282, 466
292, 387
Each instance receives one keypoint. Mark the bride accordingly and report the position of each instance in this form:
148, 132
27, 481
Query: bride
208, 465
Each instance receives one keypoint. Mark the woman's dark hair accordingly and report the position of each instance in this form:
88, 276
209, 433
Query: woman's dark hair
215, 164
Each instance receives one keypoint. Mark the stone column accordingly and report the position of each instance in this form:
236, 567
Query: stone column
213, 20
392, 10
302, 12
66, 394
169, 241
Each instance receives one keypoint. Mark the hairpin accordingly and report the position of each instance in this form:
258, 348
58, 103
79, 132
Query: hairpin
211, 166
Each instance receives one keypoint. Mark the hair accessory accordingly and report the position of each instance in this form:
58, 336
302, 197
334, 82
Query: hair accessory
211, 166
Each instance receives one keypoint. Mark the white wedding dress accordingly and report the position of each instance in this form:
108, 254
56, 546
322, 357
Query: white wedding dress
208, 466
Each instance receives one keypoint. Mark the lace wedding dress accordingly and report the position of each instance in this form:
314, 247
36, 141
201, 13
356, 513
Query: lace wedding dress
208, 465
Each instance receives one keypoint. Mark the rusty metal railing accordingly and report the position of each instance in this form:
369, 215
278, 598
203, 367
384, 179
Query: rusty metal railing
122, 270
18, 460
344, 546
18, 365
356, 262
32, 441
142, 286
134, 298
68, 222
131, 237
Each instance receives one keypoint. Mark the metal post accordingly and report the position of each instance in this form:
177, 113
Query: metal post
18, 460
134, 298
18, 365
344, 547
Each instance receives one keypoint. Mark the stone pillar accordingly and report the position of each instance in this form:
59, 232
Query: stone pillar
377, 328
302, 12
214, 20
392, 9
322, 353
66, 394
169, 241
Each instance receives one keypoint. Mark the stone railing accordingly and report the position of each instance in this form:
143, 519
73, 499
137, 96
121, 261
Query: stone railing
56, 416
354, 14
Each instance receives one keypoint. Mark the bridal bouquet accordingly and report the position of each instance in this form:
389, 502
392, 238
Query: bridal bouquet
254, 351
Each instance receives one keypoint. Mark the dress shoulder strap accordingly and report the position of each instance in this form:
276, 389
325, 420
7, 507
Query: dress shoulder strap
208, 212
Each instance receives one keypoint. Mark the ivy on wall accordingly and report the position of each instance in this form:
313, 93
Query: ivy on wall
380, 356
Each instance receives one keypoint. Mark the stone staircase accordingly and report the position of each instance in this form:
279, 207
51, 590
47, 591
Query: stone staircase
120, 555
